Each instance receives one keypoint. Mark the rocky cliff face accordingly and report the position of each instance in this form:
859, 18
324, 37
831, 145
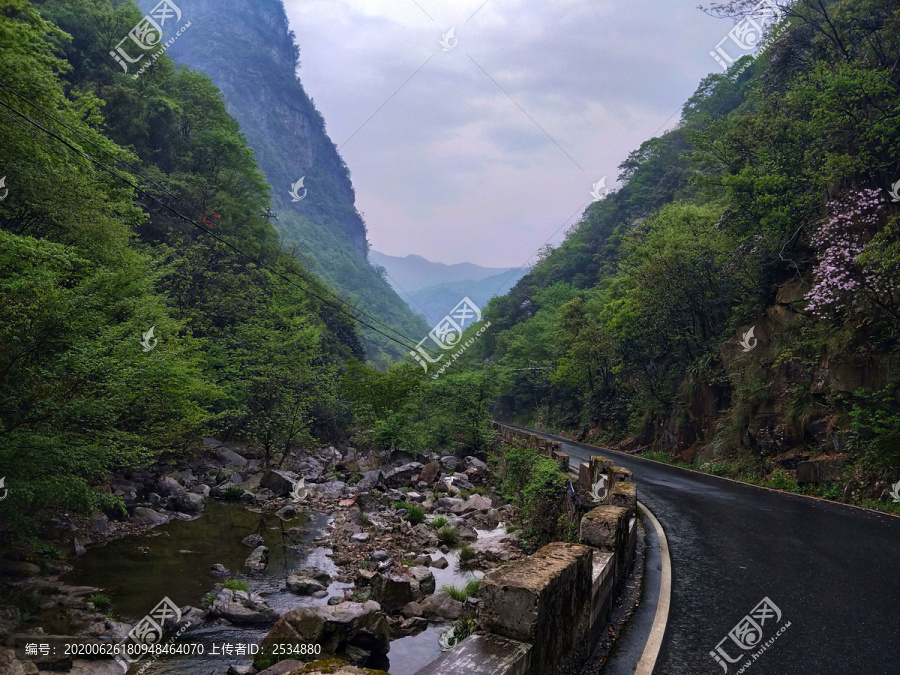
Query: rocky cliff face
248, 50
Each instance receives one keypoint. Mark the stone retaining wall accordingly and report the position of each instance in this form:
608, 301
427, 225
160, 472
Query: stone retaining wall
543, 615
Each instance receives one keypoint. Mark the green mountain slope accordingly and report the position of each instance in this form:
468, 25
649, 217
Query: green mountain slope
248, 50
735, 303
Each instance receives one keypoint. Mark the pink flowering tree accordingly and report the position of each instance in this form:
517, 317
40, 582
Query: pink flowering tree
843, 282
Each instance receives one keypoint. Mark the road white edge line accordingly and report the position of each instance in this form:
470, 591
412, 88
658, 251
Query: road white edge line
657, 631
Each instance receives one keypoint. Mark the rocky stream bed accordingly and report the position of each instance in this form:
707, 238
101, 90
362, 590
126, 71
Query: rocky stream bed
319, 544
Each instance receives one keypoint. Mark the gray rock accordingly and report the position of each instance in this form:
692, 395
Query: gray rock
450, 462
229, 457
360, 538
441, 606
148, 517
287, 512
447, 503
334, 489
474, 503
369, 480
380, 556
169, 487
320, 594
350, 630
78, 548
474, 462
218, 570
281, 483
99, 525
187, 502
402, 476
253, 540
335, 600
241, 608
411, 609
302, 585
441, 563
212, 443
424, 577
240, 670
258, 561
391, 591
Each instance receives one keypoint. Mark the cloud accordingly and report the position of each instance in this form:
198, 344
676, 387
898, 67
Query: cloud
488, 148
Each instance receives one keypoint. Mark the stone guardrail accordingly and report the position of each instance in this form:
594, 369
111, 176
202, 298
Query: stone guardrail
543, 615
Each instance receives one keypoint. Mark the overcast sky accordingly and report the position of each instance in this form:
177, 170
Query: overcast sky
491, 148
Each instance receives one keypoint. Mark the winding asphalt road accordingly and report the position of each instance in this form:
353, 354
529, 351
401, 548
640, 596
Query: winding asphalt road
833, 572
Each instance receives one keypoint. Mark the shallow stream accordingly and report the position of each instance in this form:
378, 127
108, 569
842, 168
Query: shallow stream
173, 561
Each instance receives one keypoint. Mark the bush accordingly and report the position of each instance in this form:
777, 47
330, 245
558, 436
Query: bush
466, 553
544, 505
100, 602
781, 479
449, 536
415, 514
455, 592
439, 522
232, 493
236, 585
472, 588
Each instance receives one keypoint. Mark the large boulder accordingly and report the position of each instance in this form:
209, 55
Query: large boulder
352, 631
424, 578
229, 457
258, 561
402, 476
187, 502
369, 480
450, 462
148, 517
241, 608
474, 503
301, 584
441, 606
430, 473
391, 591
281, 483
169, 487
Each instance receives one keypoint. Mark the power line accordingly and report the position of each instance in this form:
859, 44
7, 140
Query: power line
228, 244
166, 191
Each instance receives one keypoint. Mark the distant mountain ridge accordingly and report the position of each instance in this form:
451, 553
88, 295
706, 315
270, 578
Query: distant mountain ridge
413, 272
433, 289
